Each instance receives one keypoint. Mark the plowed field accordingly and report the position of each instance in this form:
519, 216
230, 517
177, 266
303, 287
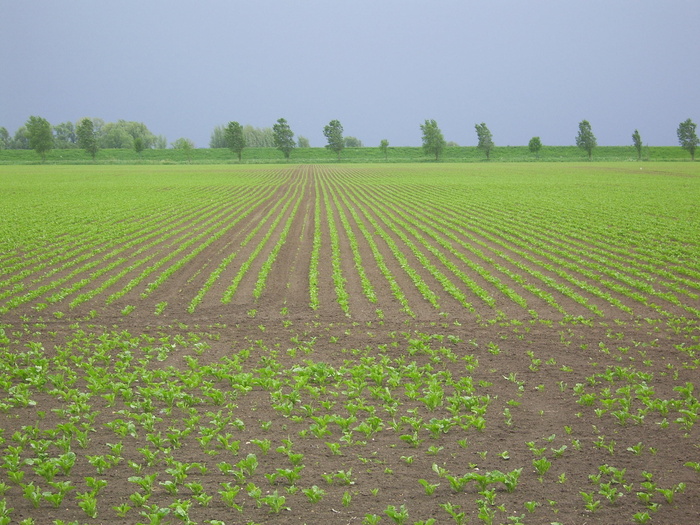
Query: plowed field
512, 343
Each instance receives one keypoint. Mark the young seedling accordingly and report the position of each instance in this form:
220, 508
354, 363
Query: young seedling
590, 503
453, 510
542, 465
274, 501
429, 487
399, 515
315, 494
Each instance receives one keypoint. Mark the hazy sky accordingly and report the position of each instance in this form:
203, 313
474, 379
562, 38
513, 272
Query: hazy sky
381, 67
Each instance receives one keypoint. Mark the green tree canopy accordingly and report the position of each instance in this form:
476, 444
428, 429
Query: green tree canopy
4, 138
235, 139
485, 139
284, 137
87, 136
302, 142
334, 134
20, 140
123, 133
535, 146
352, 142
433, 141
384, 148
637, 141
65, 136
687, 137
40, 135
585, 138
258, 137
218, 137
185, 145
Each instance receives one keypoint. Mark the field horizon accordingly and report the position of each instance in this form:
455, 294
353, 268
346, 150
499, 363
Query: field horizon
367, 154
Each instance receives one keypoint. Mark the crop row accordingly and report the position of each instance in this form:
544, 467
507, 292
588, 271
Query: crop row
451, 246
155, 419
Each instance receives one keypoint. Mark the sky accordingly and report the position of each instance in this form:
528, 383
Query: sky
381, 67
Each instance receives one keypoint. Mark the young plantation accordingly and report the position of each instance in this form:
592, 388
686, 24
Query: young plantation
394, 344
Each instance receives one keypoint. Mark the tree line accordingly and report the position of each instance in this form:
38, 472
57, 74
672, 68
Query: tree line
434, 143
66, 135
95, 134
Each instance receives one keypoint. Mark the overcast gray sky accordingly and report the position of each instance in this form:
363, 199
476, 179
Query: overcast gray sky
381, 67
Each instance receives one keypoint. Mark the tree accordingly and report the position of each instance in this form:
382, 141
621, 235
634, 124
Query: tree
637, 141
65, 135
40, 135
4, 138
235, 139
284, 137
218, 137
334, 134
186, 145
258, 137
687, 137
585, 138
433, 141
485, 140
20, 139
87, 136
123, 133
535, 146
302, 142
384, 147
352, 142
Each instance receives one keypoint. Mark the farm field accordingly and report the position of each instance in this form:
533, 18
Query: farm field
350, 343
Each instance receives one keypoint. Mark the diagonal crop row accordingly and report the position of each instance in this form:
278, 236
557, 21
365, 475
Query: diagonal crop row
231, 289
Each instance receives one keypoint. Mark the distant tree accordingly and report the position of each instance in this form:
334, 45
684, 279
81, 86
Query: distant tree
235, 139
451, 144
384, 147
183, 144
535, 146
65, 136
40, 135
433, 141
20, 140
352, 142
637, 141
121, 135
334, 135
87, 136
258, 137
186, 145
585, 138
485, 139
115, 137
302, 142
284, 137
99, 126
4, 138
687, 137
218, 138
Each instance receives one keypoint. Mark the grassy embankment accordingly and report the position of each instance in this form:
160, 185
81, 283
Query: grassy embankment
367, 154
